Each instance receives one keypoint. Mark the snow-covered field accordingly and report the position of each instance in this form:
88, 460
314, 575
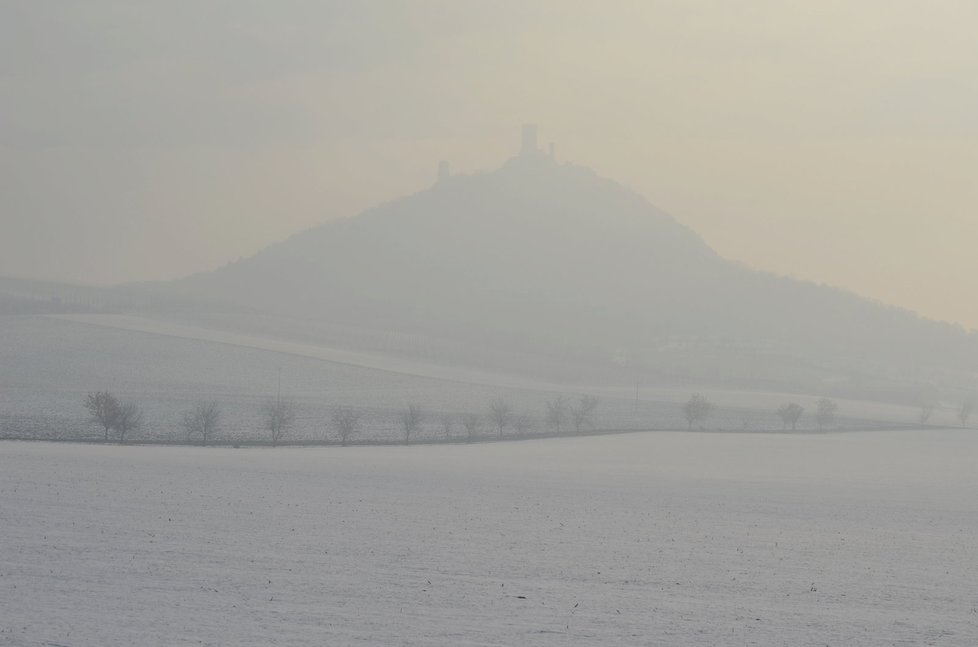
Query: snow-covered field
640, 539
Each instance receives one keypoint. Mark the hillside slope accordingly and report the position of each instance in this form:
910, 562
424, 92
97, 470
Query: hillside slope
549, 259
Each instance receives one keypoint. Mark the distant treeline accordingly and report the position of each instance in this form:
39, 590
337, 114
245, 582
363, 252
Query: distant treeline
122, 421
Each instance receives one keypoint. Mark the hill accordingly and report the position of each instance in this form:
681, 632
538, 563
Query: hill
548, 268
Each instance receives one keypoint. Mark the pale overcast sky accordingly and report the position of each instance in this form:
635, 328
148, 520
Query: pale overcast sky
830, 140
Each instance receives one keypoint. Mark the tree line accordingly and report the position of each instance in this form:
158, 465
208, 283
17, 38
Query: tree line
278, 417
202, 422
698, 408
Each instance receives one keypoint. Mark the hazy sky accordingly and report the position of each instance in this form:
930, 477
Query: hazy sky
835, 141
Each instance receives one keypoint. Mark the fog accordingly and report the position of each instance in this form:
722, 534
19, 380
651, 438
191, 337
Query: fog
497, 323
832, 142
750, 212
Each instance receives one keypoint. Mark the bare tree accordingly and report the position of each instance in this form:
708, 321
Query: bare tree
128, 418
347, 422
582, 412
279, 418
522, 423
202, 421
825, 410
696, 410
103, 408
926, 411
411, 419
790, 414
965, 412
929, 400
472, 423
556, 412
447, 422
500, 413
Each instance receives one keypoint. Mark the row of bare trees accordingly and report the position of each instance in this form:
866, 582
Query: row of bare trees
930, 400
202, 422
963, 413
579, 412
825, 413
279, 417
112, 415
698, 408
502, 416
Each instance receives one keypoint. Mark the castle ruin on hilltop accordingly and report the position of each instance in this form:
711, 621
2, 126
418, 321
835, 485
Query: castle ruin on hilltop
528, 149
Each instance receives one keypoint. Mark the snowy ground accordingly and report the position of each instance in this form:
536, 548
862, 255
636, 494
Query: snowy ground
651, 539
361, 359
